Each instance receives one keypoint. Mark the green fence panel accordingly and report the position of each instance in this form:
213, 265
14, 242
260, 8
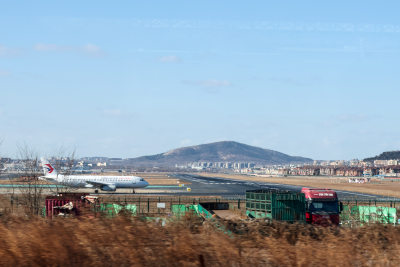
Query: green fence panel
368, 214
181, 209
110, 209
203, 212
131, 208
373, 214
345, 215
178, 209
117, 208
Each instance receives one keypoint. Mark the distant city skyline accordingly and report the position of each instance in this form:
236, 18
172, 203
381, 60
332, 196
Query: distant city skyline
312, 79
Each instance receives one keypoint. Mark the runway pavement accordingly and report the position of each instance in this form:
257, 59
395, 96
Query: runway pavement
208, 186
201, 185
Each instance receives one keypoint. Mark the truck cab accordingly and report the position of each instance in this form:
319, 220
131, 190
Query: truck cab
322, 206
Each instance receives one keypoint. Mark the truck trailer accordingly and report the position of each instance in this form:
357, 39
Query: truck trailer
277, 205
313, 206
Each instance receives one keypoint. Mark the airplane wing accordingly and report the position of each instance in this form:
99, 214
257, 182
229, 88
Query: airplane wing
102, 185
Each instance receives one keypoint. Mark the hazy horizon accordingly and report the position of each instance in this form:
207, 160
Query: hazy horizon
65, 152
310, 78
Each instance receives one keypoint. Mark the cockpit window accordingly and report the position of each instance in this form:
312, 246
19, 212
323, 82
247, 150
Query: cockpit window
141, 179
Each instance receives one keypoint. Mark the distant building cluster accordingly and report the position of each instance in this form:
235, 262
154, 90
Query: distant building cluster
340, 168
343, 168
207, 165
90, 164
352, 168
345, 171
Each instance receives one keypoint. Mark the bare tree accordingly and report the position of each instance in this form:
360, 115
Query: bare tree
64, 163
32, 187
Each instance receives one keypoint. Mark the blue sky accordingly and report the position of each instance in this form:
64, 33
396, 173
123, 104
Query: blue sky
132, 78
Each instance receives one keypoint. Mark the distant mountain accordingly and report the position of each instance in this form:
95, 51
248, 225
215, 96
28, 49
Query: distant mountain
226, 151
385, 156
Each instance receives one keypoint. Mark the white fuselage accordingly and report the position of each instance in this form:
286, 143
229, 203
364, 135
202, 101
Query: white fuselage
108, 183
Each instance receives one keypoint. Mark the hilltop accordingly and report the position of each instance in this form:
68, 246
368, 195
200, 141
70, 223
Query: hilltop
225, 151
385, 156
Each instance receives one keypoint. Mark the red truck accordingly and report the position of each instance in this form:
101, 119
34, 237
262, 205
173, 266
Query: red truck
323, 207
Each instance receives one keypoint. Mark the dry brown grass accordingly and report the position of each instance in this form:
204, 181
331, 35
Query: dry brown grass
160, 181
384, 188
159, 178
131, 242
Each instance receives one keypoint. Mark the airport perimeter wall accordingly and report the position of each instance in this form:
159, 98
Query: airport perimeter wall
166, 205
355, 213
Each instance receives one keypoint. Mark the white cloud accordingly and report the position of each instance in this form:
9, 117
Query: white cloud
170, 59
88, 49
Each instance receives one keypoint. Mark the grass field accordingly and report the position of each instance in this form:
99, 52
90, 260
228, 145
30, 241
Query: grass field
124, 241
385, 188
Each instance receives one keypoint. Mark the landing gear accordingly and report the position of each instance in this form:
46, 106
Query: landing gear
96, 191
133, 191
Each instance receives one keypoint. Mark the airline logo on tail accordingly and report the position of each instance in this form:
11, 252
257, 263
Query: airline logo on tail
50, 169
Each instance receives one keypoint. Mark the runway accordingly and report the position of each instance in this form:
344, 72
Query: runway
201, 185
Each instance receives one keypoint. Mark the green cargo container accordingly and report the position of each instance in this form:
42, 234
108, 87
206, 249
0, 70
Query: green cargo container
276, 205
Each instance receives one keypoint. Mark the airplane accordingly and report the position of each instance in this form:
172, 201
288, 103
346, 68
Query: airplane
104, 183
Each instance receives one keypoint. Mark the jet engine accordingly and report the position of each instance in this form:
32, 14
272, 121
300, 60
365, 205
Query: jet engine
110, 187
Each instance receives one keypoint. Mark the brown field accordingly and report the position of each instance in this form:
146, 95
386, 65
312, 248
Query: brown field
124, 241
159, 179
384, 188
